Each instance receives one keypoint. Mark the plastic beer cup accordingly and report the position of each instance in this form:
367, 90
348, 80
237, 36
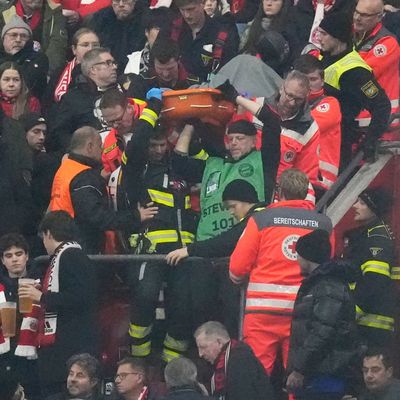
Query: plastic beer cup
8, 312
25, 304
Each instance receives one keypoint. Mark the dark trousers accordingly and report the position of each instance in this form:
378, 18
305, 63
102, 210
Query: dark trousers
189, 295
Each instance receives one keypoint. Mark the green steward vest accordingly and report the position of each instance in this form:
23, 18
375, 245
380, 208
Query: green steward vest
215, 218
334, 72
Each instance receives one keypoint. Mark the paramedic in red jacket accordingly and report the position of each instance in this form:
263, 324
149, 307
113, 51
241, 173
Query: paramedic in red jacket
380, 50
266, 254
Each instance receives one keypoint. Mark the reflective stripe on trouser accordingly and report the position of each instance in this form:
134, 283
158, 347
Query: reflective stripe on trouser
377, 267
374, 320
267, 335
271, 297
140, 340
173, 348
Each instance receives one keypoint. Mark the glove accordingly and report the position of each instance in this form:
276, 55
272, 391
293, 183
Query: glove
369, 146
228, 91
155, 92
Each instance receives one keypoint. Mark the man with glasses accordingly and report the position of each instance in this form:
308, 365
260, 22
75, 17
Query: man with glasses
47, 23
120, 113
130, 380
380, 50
99, 73
289, 113
351, 80
18, 47
120, 29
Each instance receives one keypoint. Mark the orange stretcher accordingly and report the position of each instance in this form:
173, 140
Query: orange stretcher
204, 104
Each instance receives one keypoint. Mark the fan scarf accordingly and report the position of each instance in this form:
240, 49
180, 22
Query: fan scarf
27, 338
218, 380
48, 322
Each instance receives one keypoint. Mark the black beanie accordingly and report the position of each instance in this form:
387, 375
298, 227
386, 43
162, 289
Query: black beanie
240, 190
377, 200
29, 120
315, 246
242, 126
338, 25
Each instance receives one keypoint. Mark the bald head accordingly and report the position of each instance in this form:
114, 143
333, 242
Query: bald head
367, 15
86, 141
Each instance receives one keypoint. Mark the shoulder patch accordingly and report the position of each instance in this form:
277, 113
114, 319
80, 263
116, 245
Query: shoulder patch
324, 107
380, 50
289, 156
375, 250
370, 89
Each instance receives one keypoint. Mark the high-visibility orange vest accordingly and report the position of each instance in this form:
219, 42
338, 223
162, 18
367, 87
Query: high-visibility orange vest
60, 191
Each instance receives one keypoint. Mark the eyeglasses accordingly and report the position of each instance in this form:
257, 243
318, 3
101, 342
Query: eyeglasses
107, 63
366, 15
115, 122
290, 97
123, 2
15, 35
123, 375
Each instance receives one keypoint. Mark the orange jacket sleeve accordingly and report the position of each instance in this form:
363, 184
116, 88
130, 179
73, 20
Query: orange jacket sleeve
246, 251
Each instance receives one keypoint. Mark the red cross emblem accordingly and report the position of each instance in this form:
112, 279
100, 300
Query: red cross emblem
289, 247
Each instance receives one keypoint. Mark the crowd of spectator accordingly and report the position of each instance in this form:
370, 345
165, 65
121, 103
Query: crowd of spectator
93, 163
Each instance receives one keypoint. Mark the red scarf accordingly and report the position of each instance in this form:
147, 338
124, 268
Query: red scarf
327, 3
218, 380
27, 338
32, 20
64, 81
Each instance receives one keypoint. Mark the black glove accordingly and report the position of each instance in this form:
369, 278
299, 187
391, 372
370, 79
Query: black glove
155, 105
228, 91
369, 146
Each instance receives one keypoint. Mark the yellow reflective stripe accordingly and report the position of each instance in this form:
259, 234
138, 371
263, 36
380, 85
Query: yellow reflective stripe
188, 203
139, 332
109, 148
169, 355
124, 158
374, 320
201, 155
161, 197
377, 267
139, 101
187, 237
395, 273
163, 236
141, 350
150, 116
175, 344
352, 285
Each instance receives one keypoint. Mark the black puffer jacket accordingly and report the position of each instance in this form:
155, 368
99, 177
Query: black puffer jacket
323, 334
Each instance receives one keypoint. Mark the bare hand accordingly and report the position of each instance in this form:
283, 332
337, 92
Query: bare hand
174, 257
294, 381
30, 292
147, 212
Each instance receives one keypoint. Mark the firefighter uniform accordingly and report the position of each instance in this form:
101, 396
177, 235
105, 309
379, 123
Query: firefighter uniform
371, 249
173, 227
266, 252
351, 81
381, 51
326, 113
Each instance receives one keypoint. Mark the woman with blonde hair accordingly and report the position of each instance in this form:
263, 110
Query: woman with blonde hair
15, 98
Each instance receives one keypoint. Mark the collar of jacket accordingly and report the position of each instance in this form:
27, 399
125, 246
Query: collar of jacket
306, 204
328, 60
85, 160
337, 268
